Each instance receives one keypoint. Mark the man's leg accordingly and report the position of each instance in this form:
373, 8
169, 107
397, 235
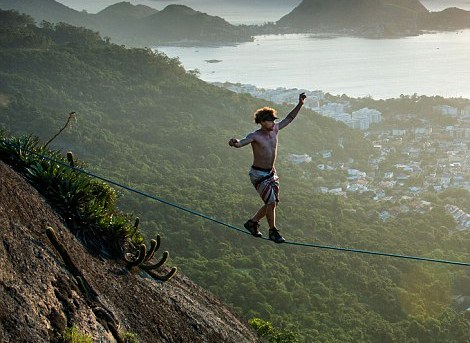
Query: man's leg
260, 214
274, 234
252, 225
270, 210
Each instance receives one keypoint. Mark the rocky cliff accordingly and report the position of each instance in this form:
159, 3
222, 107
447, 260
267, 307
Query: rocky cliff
41, 295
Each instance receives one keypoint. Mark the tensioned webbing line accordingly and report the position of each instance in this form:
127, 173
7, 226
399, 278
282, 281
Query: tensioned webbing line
185, 209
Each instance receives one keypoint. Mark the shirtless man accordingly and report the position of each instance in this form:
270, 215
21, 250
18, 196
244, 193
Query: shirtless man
262, 173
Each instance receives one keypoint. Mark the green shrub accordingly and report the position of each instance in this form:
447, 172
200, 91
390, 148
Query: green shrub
130, 337
73, 335
87, 205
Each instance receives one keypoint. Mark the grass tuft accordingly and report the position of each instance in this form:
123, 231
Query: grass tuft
73, 335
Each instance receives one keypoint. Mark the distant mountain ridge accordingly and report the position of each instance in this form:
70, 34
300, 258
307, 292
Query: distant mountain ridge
138, 25
448, 19
176, 21
376, 18
49, 10
126, 9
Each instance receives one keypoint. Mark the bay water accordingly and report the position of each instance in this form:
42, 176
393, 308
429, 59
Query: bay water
430, 64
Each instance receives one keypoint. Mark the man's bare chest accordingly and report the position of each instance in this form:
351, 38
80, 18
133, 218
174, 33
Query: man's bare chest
267, 142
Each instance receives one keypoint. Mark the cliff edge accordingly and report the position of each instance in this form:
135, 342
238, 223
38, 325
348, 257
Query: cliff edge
40, 298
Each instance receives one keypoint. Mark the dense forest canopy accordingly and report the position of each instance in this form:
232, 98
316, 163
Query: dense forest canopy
145, 121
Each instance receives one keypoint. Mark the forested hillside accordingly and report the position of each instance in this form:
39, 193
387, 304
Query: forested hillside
142, 120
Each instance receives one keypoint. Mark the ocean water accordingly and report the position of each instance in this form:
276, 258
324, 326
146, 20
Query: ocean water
434, 64
429, 64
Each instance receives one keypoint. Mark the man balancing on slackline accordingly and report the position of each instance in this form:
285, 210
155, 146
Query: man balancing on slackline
262, 173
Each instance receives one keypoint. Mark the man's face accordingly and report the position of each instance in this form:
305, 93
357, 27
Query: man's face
268, 124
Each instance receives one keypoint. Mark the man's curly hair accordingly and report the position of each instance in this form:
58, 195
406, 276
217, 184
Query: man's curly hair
264, 113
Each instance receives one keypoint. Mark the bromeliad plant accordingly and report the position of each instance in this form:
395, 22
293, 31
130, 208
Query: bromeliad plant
16, 151
88, 206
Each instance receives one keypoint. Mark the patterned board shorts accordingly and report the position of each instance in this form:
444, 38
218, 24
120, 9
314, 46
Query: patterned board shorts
266, 183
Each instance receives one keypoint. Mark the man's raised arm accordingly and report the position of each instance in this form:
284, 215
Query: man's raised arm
292, 114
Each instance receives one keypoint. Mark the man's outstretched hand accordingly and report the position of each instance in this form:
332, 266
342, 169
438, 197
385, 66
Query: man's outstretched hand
302, 98
232, 141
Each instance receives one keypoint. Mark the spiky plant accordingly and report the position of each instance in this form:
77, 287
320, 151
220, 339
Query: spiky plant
20, 152
87, 205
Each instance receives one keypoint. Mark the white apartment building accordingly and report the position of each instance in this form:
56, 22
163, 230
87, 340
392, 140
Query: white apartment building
297, 159
331, 109
373, 115
360, 121
446, 110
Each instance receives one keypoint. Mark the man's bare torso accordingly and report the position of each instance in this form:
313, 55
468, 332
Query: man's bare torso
264, 147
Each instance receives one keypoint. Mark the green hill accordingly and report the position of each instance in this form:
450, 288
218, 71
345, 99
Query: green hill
144, 121
375, 17
126, 9
49, 10
448, 19
178, 22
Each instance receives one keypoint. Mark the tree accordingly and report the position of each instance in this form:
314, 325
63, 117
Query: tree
273, 335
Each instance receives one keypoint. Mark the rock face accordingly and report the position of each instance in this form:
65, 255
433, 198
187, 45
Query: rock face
39, 296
